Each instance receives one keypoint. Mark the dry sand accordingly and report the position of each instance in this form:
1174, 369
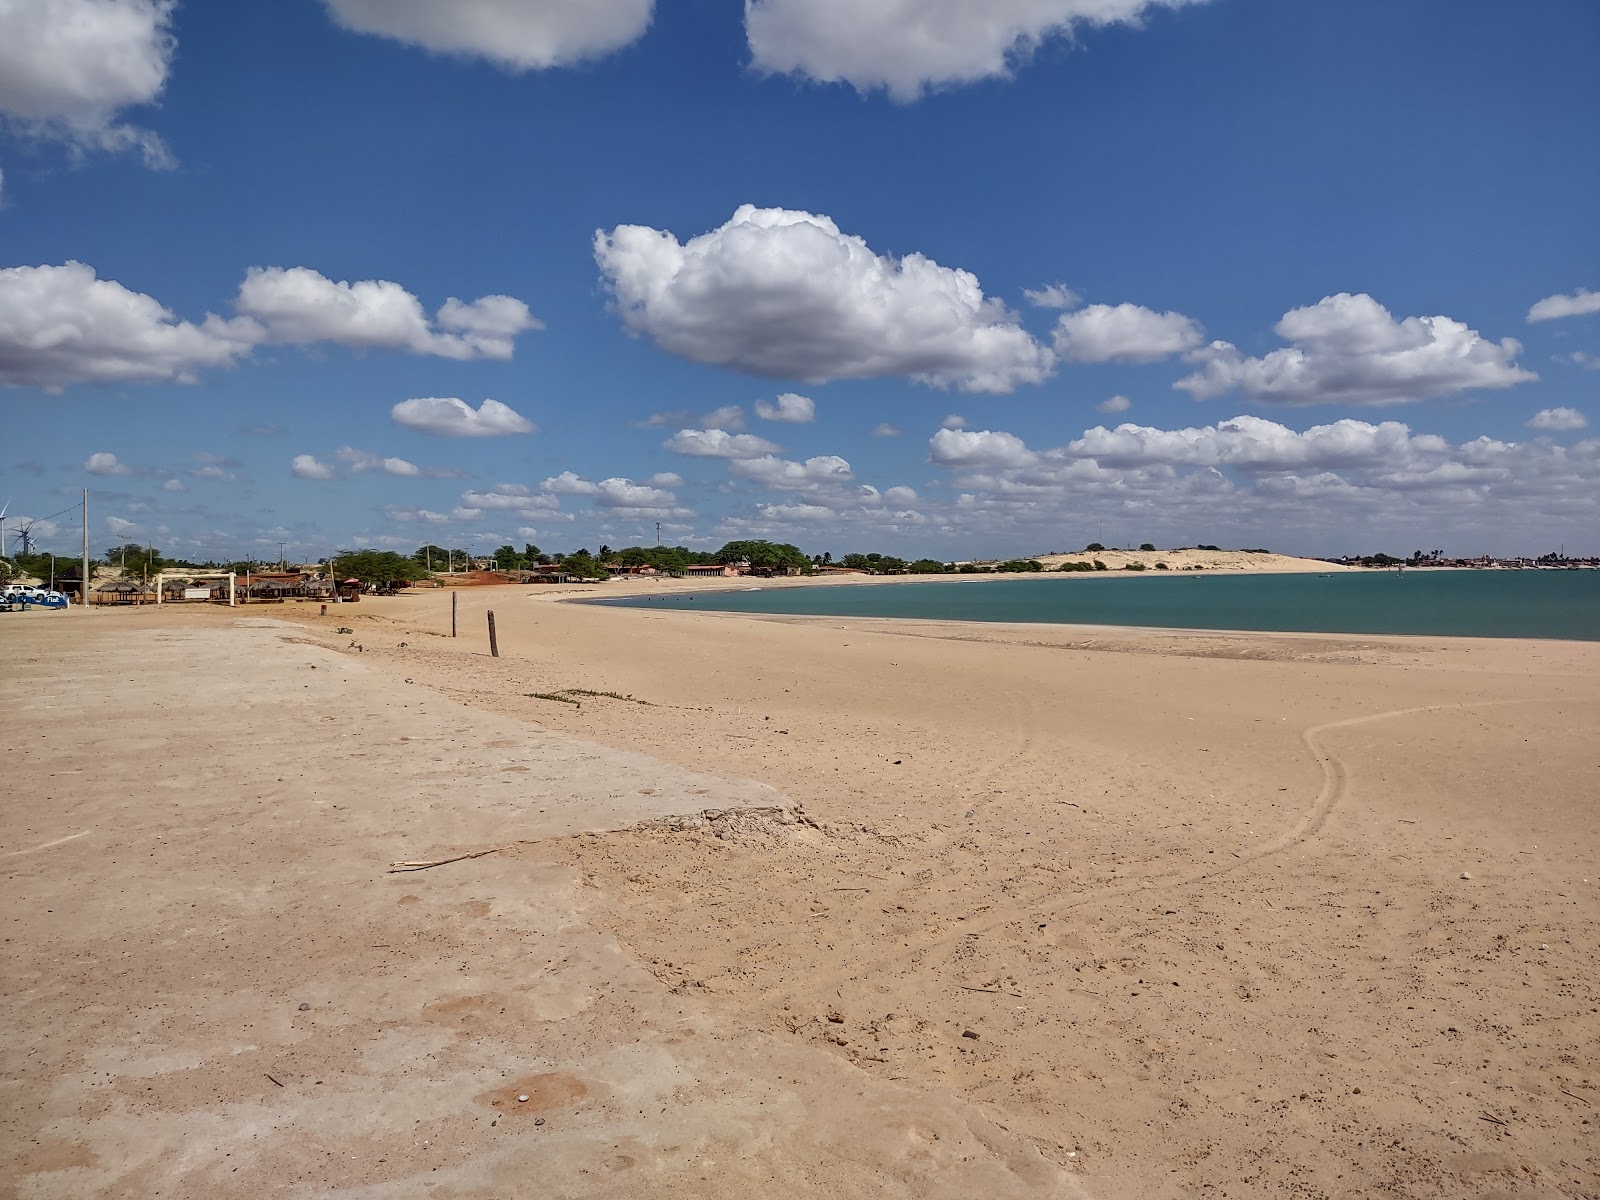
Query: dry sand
1184, 914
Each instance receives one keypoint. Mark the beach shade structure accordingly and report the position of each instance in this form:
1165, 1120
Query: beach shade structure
276, 589
122, 591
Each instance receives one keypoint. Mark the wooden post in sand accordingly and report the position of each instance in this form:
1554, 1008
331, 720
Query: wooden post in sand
452, 612
494, 646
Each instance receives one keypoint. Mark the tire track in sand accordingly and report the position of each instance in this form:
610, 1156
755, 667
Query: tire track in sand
1335, 783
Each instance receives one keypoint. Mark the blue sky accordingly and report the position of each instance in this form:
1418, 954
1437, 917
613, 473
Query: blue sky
1316, 277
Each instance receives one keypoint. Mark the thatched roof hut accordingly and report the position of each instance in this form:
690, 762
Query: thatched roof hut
123, 591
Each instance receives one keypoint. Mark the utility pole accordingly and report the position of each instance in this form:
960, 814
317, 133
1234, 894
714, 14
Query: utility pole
84, 594
658, 535
282, 565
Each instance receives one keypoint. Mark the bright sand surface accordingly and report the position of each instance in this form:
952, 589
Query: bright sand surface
1189, 914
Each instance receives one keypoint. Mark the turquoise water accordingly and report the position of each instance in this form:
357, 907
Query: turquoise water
1524, 604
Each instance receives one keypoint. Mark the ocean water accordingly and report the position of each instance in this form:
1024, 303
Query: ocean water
1521, 604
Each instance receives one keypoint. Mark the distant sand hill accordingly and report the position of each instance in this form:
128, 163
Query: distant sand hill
1185, 560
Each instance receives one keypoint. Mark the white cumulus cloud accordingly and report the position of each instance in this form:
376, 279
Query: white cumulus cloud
625, 493
1256, 444
308, 466
1558, 420
299, 305
69, 67
569, 483
718, 443
362, 461
447, 416
1345, 485
1581, 303
978, 448
520, 35
621, 496
824, 470
62, 325
789, 407
908, 46
1115, 404
884, 429
1124, 333
105, 463
785, 294
1349, 349
511, 497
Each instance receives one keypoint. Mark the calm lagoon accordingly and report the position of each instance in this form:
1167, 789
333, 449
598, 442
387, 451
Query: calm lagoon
1514, 604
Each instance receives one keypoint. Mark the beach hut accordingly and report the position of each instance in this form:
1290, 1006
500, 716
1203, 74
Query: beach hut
277, 589
122, 591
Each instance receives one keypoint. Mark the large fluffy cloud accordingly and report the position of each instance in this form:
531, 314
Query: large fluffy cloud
299, 305
69, 67
978, 447
1349, 350
718, 443
62, 325
1580, 303
517, 34
787, 295
448, 416
907, 46
1124, 333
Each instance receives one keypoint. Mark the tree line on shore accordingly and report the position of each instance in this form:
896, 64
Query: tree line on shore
390, 567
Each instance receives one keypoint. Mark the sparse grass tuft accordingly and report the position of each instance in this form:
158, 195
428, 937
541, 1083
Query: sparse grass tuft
556, 696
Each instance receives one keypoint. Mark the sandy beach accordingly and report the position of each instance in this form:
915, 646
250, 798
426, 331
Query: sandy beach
1180, 914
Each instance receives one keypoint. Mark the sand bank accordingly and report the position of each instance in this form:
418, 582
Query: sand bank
1185, 912
1191, 891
